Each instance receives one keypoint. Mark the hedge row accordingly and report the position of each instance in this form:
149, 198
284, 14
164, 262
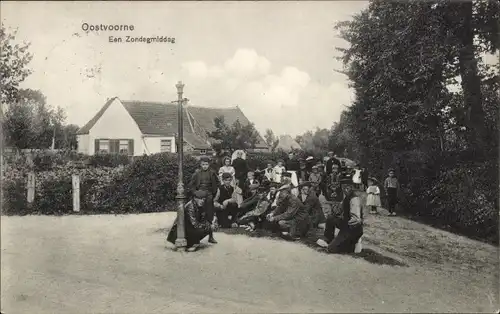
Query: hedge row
462, 196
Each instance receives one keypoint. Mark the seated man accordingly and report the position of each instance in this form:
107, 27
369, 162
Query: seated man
349, 221
224, 203
258, 205
312, 204
290, 215
197, 227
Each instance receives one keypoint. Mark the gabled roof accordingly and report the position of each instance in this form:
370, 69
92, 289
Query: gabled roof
286, 142
156, 118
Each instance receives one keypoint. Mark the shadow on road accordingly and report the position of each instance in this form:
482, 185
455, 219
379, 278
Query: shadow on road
367, 254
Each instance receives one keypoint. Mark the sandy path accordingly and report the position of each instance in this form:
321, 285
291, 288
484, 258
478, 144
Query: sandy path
121, 264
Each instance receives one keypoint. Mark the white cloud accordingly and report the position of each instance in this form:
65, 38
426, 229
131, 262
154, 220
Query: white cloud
288, 101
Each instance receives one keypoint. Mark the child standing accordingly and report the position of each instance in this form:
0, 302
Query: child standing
315, 179
268, 172
391, 186
373, 197
278, 170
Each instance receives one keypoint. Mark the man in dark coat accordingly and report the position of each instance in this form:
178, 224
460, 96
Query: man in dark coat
331, 161
349, 221
196, 226
312, 204
240, 168
206, 179
292, 163
290, 215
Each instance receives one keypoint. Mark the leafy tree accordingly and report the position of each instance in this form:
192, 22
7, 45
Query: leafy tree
236, 136
13, 65
271, 140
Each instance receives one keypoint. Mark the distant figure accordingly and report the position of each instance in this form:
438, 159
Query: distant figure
197, 226
292, 163
268, 172
391, 186
315, 180
332, 160
279, 169
373, 196
240, 167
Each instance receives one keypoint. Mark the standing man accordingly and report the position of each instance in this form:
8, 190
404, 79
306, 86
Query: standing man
206, 179
292, 163
240, 168
332, 159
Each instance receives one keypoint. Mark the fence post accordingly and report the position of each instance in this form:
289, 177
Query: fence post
75, 179
31, 187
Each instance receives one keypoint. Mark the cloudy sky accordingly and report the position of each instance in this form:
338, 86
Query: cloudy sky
273, 59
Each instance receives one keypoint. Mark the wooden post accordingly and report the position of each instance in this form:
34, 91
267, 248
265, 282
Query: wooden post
31, 187
76, 192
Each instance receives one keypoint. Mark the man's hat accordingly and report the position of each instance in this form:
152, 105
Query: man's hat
281, 160
315, 167
226, 175
200, 194
346, 178
309, 158
303, 184
391, 169
205, 159
374, 180
254, 186
287, 174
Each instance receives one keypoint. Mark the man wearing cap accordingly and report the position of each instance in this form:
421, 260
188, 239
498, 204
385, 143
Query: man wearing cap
312, 204
205, 179
255, 207
349, 221
290, 215
226, 208
197, 227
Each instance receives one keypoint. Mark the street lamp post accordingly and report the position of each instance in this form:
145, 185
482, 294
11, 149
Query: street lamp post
180, 242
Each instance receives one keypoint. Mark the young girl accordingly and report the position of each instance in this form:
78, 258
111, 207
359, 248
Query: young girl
373, 197
227, 168
278, 171
391, 186
268, 172
315, 179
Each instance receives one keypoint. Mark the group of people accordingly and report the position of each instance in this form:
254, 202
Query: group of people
236, 196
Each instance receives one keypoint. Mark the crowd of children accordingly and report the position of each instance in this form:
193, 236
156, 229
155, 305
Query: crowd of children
236, 196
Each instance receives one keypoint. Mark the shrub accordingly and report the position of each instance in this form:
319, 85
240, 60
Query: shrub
109, 160
53, 190
149, 184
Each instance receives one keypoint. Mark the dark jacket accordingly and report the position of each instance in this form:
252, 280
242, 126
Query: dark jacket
195, 182
196, 227
292, 165
330, 163
290, 207
240, 167
313, 208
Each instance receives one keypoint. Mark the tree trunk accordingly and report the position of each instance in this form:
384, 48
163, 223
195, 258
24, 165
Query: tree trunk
471, 83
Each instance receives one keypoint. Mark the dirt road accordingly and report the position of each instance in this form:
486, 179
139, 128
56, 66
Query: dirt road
122, 264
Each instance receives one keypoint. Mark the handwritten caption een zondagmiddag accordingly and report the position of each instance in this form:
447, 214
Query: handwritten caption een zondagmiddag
115, 38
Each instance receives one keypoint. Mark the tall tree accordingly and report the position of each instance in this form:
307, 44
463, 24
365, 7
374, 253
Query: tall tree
271, 140
236, 136
14, 59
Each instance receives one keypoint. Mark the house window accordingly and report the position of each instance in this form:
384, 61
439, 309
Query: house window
124, 146
166, 146
104, 146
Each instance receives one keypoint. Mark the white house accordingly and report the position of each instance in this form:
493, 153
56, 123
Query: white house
137, 128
